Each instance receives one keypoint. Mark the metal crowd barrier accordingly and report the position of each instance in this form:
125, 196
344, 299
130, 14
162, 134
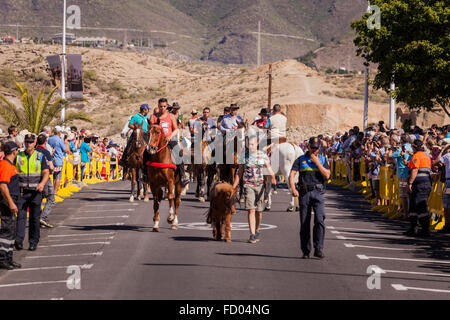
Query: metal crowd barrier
391, 204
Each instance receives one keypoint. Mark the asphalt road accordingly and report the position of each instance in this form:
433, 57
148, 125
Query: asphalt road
109, 243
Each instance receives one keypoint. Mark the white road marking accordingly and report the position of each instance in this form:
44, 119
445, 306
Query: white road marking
235, 226
350, 245
413, 272
400, 287
94, 225
100, 238
364, 257
85, 267
78, 218
109, 210
31, 283
73, 244
57, 299
357, 229
387, 236
81, 234
109, 204
347, 238
99, 253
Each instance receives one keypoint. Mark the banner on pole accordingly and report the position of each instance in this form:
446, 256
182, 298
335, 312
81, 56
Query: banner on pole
54, 63
74, 76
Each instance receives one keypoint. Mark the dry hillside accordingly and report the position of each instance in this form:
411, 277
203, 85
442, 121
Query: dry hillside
117, 82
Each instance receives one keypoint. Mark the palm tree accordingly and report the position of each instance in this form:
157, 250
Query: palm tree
37, 113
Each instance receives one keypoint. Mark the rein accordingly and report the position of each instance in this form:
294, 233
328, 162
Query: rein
159, 138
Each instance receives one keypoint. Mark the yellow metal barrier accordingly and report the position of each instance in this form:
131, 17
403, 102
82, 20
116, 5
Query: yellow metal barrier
389, 188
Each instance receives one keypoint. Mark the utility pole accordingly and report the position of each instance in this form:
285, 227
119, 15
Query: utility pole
392, 107
269, 106
17, 32
366, 87
63, 71
259, 44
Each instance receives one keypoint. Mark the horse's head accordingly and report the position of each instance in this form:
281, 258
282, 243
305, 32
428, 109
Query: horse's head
157, 138
138, 136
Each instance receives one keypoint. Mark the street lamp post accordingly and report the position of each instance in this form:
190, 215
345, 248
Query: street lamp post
63, 71
366, 87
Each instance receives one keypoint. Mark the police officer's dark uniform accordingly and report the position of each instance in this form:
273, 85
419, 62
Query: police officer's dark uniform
32, 171
9, 178
421, 188
311, 188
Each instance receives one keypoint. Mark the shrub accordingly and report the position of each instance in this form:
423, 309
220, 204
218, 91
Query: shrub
90, 75
7, 78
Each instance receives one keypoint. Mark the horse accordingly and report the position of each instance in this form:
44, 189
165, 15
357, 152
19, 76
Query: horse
161, 173
227, 172
220, 210
205, 169
135, 162
287, 154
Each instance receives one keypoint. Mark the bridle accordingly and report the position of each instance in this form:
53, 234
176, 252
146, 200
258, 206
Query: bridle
159, 139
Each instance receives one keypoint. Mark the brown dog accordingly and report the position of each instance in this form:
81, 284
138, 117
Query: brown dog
221, 208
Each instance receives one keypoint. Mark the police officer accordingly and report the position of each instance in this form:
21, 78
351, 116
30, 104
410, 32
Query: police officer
34, 173
10, 192
314, 171
419, 187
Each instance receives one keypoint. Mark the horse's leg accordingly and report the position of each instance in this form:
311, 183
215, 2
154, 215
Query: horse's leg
157, 196
177, 204
138, 180
218, 227
210, 173
268, 193
202, 185
171, 191
222, 227
133, 181
291, 207
146, 198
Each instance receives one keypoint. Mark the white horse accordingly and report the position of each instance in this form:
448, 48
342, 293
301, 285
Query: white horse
126, 131
282, 159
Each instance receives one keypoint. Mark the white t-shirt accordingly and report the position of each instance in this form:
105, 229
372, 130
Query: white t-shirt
445, 159
113, 153
278, 124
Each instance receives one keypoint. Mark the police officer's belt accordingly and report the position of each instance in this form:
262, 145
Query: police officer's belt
424, 172
308, 188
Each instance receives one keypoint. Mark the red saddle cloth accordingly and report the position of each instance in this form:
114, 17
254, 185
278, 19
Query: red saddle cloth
161, 165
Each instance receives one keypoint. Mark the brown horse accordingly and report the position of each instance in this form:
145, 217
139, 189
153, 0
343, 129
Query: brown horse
161, 173
135, 163
205, 169
227, 172
220, 210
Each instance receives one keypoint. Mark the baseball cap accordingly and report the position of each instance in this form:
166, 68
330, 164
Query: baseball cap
30, 138
58, 129
9, 147
145, 106
314, 143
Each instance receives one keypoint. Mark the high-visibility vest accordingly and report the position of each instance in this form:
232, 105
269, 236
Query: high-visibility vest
29, 169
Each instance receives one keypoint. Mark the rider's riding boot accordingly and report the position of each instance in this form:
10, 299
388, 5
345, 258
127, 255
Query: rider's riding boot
184, 181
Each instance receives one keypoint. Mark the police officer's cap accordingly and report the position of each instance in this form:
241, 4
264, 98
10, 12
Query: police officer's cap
30, 138
314, 143
9, 147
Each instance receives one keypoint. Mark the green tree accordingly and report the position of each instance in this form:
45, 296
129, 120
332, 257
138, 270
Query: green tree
36, 113
413, 48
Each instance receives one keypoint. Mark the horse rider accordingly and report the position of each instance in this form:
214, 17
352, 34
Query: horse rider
262, 123
277, 125
137, 119
226, 111
168, 123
